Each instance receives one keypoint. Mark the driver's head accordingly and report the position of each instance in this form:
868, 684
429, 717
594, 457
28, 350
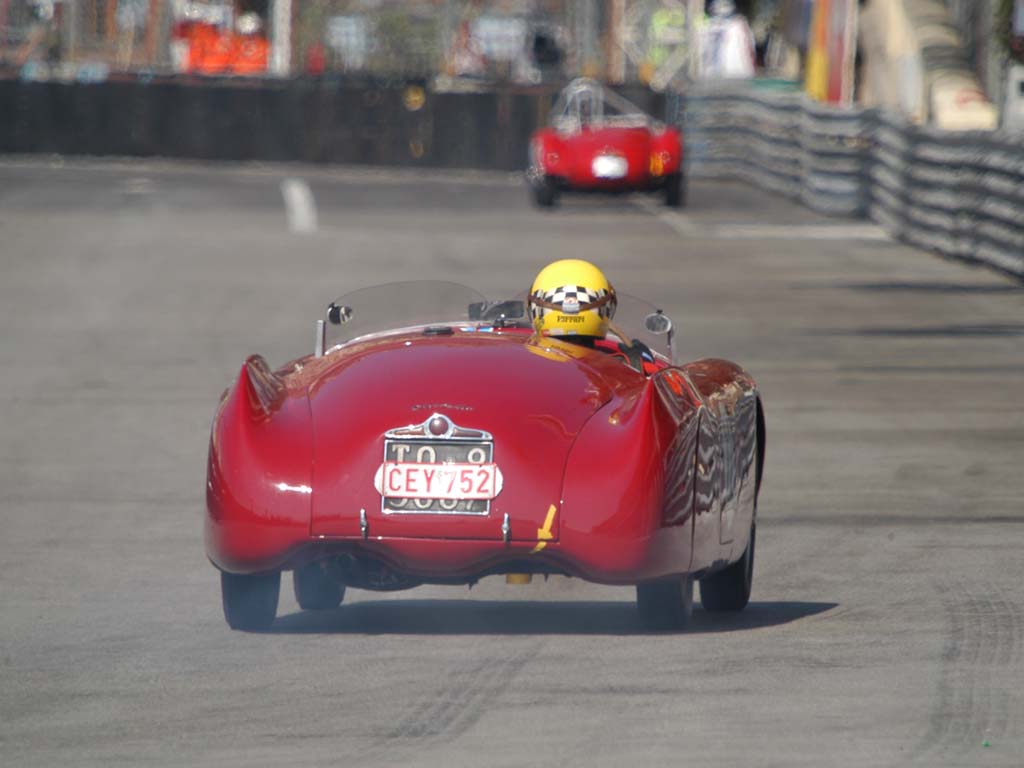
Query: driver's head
572, 299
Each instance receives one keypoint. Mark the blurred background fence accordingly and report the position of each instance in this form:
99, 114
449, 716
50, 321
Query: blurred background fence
517, 41
960, 194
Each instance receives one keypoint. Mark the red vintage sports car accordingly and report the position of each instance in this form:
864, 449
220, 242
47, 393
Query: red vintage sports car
433, 438
599, 142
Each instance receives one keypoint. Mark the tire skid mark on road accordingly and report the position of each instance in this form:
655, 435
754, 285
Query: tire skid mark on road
984, 639
460, 703
442, 715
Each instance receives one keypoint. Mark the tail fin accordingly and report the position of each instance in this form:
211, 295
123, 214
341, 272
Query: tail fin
264, 388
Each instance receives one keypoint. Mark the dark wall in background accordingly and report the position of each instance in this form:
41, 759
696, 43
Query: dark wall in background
312, 120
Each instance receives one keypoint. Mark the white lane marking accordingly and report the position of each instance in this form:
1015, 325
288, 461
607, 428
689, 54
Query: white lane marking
680, 222
138, 186
299, 205
799, 232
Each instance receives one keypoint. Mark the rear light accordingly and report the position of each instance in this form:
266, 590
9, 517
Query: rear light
659, 161
552, 158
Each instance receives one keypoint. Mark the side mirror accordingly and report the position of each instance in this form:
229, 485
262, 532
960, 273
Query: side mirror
338, 315
658, 322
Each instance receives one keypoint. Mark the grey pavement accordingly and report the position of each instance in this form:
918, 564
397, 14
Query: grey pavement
887, 620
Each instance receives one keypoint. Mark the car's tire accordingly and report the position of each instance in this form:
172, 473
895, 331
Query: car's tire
729, 589
315, 590
250, 600
667, 604
545, 193
675, 190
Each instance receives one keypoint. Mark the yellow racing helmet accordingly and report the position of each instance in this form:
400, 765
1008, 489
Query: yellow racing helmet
572, 297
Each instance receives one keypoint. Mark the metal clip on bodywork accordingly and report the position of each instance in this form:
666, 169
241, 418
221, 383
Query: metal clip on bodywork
506, 529
364, 526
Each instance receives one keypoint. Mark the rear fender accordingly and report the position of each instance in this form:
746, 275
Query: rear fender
258, 489
613, 496
547, 154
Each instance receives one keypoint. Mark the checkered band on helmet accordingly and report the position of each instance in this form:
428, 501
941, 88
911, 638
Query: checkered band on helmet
570, 298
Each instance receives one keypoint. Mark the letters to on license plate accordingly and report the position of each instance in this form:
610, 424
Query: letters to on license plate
438, 476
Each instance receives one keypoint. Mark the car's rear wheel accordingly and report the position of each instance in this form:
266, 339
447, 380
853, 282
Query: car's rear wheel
729, 589
545, 193
675, 190
250, 600
315, 590
666, 604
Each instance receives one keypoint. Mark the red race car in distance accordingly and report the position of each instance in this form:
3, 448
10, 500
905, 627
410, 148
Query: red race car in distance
434, 438
600, 142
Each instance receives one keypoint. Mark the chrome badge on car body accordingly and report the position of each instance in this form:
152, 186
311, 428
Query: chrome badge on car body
438, 467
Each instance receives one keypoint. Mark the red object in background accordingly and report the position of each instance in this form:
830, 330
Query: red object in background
316, 59
608, 473
599, 142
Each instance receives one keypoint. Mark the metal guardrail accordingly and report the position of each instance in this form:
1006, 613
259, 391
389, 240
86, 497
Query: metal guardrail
960, 194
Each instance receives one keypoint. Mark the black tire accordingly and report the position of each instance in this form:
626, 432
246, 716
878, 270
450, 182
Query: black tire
675, 190
545, 194
665, 605
250, 600
315, 590
729, 589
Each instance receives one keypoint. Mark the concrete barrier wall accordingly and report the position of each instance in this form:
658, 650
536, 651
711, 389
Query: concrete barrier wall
310, 119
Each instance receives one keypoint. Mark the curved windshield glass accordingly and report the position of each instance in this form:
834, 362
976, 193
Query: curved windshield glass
587, 102
397, 307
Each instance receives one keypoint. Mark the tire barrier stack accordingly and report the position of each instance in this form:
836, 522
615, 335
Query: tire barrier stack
959, 194
781, 142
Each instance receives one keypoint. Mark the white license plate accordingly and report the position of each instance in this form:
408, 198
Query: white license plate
609, 167
445, 482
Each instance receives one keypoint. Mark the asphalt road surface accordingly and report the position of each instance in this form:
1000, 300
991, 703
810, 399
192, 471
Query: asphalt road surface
887, 621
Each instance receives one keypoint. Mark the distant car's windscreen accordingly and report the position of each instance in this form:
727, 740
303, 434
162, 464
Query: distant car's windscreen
588, 103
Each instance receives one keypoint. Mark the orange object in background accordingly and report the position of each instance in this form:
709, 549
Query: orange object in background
250, 55
198, 38
215, 54
210, 47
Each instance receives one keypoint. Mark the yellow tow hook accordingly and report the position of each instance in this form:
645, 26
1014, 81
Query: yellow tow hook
544, 534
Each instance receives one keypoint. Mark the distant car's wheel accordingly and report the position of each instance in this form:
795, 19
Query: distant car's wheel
250, 600
729, 590
675, 190
315, 590
665, 604
545, 194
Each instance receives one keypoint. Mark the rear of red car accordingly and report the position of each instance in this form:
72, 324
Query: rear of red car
326, 467
606, 159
